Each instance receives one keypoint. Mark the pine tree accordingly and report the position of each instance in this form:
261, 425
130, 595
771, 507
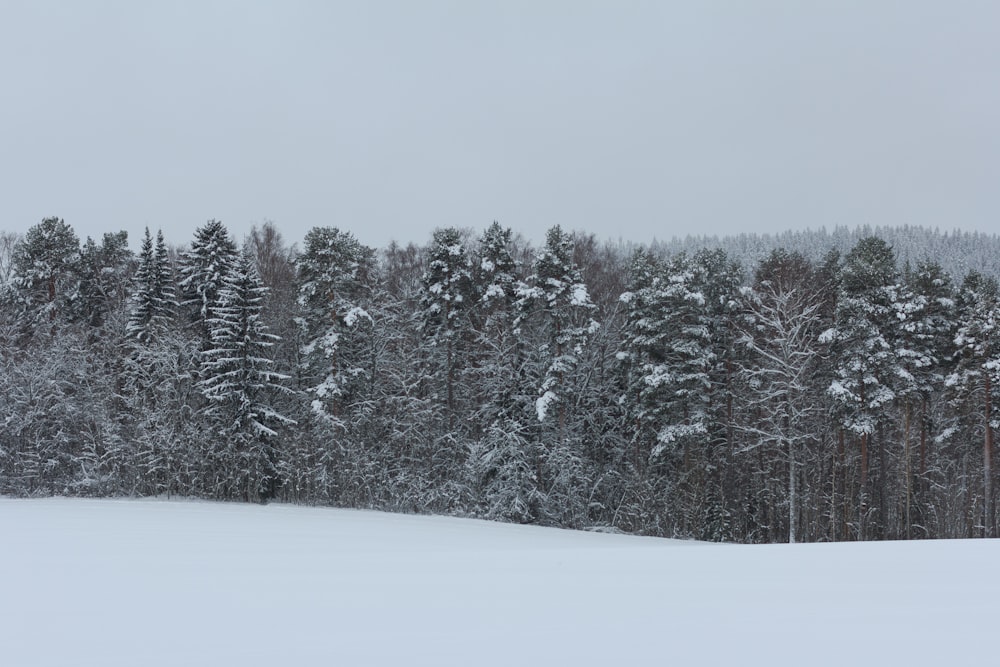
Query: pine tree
643, 339
866, 367
45, 268
555, 322
238, 381
495, 353
496, 270
978, 372
446, 302
556, 300
924, 347
333, 273
502, 459
671, 358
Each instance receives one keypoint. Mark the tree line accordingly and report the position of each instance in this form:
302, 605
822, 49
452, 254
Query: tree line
577, 384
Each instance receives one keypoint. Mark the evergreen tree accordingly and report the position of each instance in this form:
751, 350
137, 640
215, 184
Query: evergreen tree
45, 270
671, 356
333, 273
556, 300
204, 269
978, 373
238, 381
104, 271
496, 270
446, 303
866, 366
924, 348
555, 321
154, 297
502, 458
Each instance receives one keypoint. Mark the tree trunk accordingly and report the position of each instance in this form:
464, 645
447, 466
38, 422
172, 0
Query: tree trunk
863, 491
988, 462
834, 462
908, 471
923, 488
451, 386
792, 498
844, 496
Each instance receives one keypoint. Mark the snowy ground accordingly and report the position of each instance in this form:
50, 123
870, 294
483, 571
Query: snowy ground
186, 583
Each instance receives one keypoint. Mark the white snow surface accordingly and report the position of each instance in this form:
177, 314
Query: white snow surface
110, 582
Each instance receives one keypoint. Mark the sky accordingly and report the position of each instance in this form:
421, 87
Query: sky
626, 119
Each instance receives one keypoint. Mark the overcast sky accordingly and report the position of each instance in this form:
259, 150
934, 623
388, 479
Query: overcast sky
388, 119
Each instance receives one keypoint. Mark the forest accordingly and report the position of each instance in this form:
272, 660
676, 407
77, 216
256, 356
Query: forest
811, 386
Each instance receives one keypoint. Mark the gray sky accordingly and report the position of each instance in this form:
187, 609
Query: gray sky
630, 119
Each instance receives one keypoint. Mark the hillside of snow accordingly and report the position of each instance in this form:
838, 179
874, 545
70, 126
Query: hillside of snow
191, 583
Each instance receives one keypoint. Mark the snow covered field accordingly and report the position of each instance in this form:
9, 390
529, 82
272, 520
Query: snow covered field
189, 583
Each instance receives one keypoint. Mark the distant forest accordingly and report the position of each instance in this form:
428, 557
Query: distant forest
810, 386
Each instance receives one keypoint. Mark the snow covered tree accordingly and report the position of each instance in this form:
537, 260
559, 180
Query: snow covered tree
502, 458
203, 271
718, 279
556, 300
238, 381
275, 262
978, 372
555, 322
104, 271
781, 333
168, 440
496, 271
8, 242
334, 270
924, 347
642, 340
154, 300
45, 272
668, 343
446, 303
671, 356
864, 342
504, 473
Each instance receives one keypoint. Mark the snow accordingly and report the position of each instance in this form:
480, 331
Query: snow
493, 292
580, 296
99, 582
355, 313
542, 404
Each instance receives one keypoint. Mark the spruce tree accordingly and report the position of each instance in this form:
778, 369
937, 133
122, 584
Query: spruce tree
154, 298
238, 382
204, 269
104, 271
